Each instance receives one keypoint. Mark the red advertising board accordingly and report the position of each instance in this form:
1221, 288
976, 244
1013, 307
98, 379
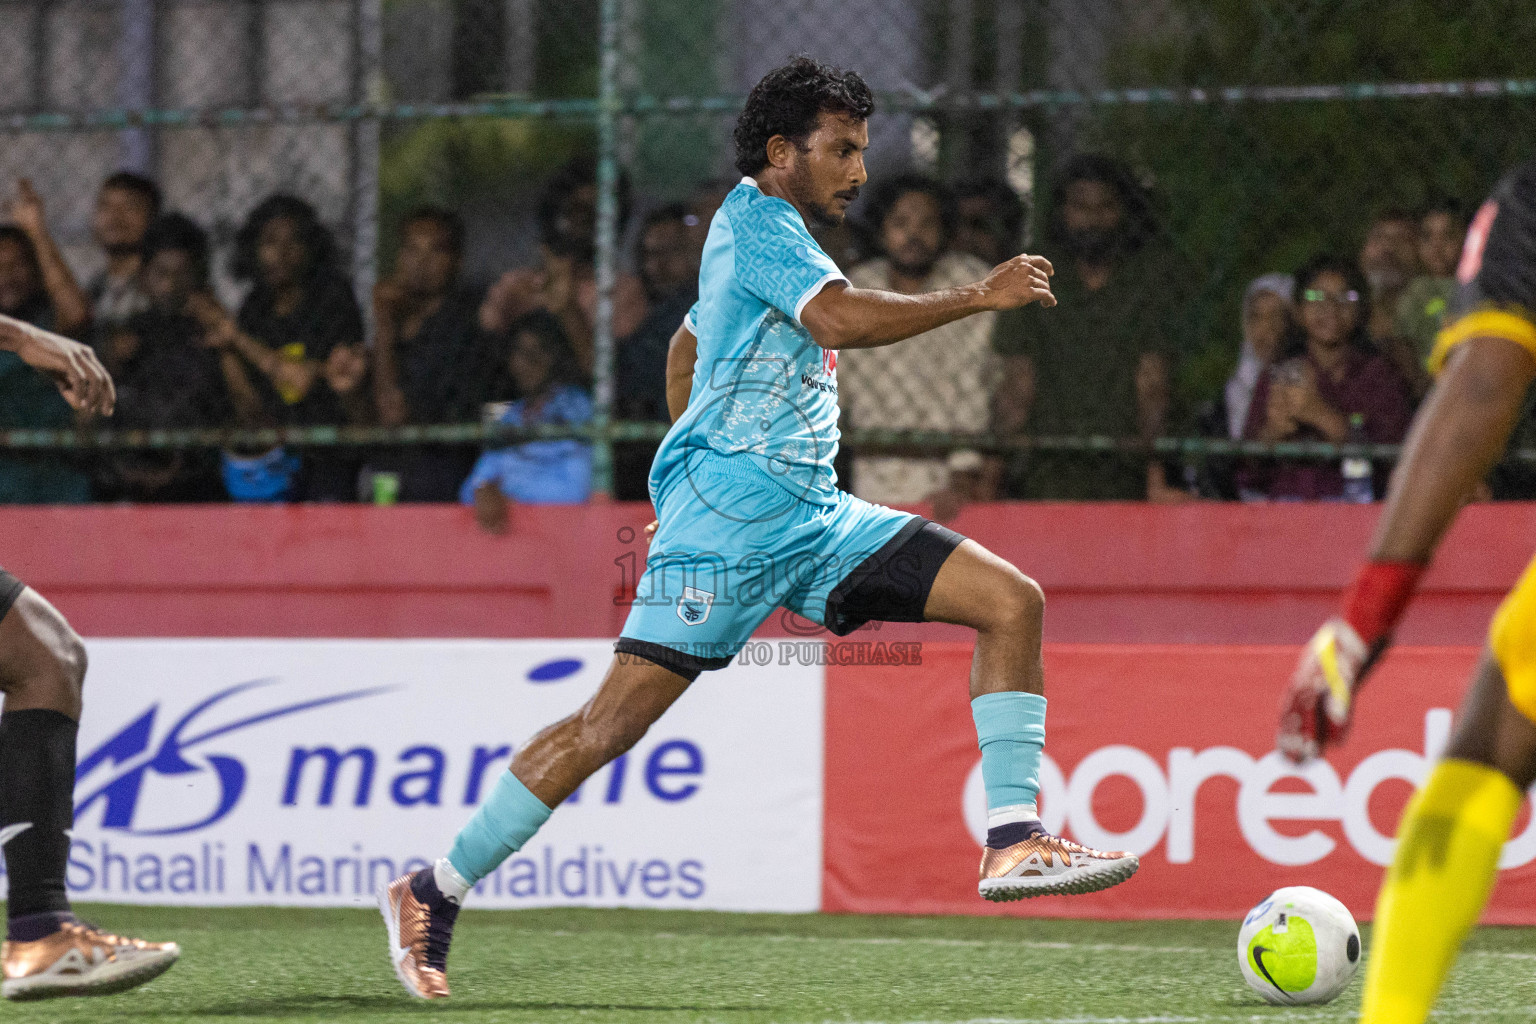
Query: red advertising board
1167, 751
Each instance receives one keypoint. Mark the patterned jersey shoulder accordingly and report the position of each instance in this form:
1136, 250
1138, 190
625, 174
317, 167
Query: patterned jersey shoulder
1496, 280
775, 258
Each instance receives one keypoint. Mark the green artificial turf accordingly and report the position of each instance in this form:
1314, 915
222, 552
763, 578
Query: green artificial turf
658, 966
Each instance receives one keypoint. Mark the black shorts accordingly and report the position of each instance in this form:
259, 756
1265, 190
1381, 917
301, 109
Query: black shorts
10, 590
892, 585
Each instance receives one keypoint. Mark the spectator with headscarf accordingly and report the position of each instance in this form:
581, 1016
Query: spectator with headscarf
1268, 329
1267, 326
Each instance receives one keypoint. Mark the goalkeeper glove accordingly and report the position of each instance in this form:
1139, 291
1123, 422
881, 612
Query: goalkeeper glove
1316, 710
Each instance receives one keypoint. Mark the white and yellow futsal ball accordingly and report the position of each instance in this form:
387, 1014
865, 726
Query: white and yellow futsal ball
1298, 946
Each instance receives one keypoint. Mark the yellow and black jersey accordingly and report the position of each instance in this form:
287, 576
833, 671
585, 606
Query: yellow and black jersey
1496, 281
1496, 297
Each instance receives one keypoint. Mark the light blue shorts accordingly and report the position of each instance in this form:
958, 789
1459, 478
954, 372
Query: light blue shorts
733, 546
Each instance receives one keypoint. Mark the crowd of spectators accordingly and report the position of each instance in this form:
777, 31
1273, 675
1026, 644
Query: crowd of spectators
294, 351
1332, 352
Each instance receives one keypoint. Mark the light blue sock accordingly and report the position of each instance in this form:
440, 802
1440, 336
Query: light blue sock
1010, 728
507, 820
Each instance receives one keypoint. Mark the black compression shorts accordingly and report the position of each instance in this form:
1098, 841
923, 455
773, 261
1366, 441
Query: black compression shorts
10, 590
892, 584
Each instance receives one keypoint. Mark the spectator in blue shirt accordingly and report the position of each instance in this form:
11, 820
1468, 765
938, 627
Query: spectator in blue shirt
543, 366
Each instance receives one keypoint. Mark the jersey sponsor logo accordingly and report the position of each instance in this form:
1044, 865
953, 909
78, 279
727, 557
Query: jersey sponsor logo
817, 385
694, 606
1477, 239
829, 362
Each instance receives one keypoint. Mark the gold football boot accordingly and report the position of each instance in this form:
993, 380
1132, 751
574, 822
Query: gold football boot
1046, 865
418, 934
82, 960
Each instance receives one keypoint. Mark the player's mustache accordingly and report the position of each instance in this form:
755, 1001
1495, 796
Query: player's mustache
849, 194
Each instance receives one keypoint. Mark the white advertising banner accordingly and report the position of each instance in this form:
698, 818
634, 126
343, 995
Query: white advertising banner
309, 772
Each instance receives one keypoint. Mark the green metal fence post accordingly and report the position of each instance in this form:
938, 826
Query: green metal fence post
607, 243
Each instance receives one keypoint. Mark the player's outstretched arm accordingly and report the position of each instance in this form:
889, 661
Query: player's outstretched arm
1456, 438
842, 316
80, 377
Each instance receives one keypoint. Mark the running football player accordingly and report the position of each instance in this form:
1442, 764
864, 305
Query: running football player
1454, 828
48, 952
750, 518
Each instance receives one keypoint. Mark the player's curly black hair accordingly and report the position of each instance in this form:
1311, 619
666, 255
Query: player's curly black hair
787, 101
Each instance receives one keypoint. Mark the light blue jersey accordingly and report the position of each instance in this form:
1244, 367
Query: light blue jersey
761, 385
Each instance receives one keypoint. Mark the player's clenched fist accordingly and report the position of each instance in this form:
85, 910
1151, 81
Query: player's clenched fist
1316, 708
1020, 281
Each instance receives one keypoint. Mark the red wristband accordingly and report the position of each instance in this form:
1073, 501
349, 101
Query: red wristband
1378, 597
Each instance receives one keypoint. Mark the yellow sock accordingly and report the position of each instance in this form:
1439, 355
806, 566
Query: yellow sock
1447, 855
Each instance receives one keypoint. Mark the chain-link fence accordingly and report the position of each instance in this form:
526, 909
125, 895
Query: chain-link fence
531, 180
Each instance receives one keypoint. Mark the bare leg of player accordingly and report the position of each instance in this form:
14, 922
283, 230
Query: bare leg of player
1448, 850
419, 909
633, 695
1492, 731
47, 951
1006, 608
978, 589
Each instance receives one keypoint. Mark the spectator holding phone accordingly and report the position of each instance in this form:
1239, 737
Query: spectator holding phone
1335, 388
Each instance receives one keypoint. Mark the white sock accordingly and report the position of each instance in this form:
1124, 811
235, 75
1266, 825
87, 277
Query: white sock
449, 882
1012, 814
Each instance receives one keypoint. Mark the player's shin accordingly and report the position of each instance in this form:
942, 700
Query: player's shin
1010, 729
37, 783
1021, 858
1447, 855
506, 821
